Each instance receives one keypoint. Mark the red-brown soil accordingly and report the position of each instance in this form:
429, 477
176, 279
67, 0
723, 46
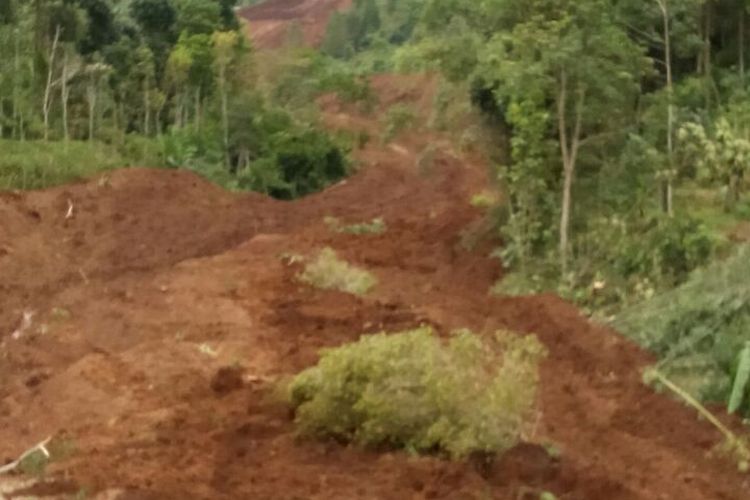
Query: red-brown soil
164, 311
269, 22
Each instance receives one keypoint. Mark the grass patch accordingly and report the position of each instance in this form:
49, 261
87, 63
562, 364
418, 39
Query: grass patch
413, 391
398, 118
39, 164
329, 272
484, 200
376, 226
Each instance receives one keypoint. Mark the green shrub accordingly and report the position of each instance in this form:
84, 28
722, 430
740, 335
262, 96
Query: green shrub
484, 200
308, 161
413, 391
398, 118
699, 328
376, 226
668, 248
39, 164
346, 84
329, 272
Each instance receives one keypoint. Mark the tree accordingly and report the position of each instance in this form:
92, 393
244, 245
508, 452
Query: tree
198, 17
228, 17
101, 28
71, 65
145, 73
225, 45
337, 40
47, 102
177, 74
654, 25
724, 157
156, 20
95, 73
560, 68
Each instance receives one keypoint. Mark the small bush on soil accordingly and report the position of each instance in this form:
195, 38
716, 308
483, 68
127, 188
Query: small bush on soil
398, 118
413, 391
329, 272
38, 164
376, 226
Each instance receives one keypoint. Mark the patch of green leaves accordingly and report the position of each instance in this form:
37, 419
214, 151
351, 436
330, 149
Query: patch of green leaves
741, 379
376, 226
327, 271
415, 391
699, 328
398, 118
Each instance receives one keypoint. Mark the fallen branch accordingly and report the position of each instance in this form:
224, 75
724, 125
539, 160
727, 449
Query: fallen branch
735, 443
39, 447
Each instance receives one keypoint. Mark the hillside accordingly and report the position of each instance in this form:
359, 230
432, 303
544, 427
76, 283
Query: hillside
163, 308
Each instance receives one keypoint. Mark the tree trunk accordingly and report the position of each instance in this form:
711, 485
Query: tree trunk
667, 188
48, 87
147, 109
178, 115
16, 69
741, 44
569, 151
64, 94
197, 117
707, 50
91, 97
224, 113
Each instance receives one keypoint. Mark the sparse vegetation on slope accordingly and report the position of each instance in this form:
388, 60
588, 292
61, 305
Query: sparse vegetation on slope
329, 272
699, 329
414, 391
39, 164
376, 226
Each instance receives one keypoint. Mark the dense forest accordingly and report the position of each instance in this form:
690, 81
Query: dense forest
162, 82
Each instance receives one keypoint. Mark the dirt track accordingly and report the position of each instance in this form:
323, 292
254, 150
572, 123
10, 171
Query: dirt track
158, 281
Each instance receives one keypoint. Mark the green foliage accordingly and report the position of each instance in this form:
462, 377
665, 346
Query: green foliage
329, 272
483, 200
698, 328
398, 118
724, 157
166, 82
36, 463
307, 161
37, 164
414, 391
337, 41
351, 31
376, 226
619, 262
282, 159
198, 16
665, 249
346, 84
741, 382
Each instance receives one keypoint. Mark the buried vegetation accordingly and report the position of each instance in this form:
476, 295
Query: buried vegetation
375, 226
329, 272
413, 391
